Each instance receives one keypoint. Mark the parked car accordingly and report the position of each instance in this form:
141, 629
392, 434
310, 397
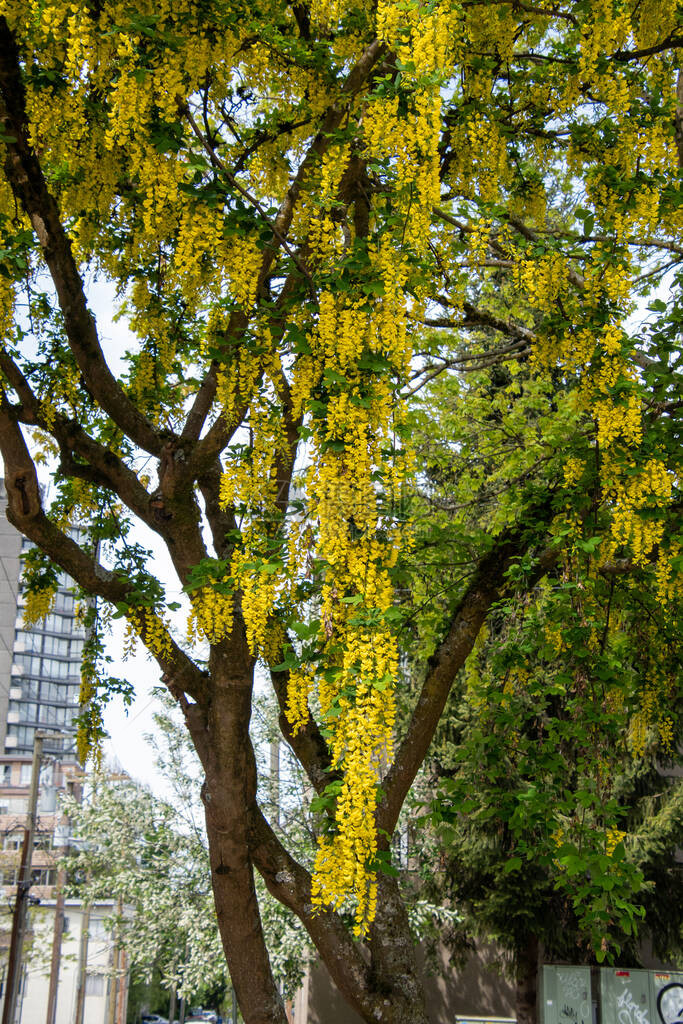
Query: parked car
153, 1018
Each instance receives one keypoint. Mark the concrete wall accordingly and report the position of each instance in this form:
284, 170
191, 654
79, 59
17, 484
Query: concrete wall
478, 990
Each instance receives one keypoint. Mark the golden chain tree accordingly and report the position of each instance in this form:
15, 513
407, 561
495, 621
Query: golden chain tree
294, 202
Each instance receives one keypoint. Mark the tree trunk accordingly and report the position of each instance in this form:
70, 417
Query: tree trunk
393, 961
239, 921
526, 982
220, 731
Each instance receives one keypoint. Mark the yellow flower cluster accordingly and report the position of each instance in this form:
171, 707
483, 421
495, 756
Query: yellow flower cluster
631, 495
637, 733
605, 30
608, 280
666, 734
250, 477
668, 585
300, 685
652, 21
145, 376
145, 624
652, 717
488, 157
325, 238
573, 471
243, 262
260, 589
130, 105
199, 249
422, 40
612, 839
359, 539
544, 279
211, 616
618, 420
7, 305
478, 240
232, 390
38, 604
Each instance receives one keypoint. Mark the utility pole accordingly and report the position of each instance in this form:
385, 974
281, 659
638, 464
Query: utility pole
72, 787
172, 1000
83, 955
116, 967
14, 965
56, 948
123, 990
82, 963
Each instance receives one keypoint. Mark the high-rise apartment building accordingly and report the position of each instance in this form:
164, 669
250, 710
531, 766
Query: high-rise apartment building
40, 665
45, 679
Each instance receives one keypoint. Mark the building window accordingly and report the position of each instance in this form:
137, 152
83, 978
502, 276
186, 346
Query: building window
19, 736
26, 770
53, 716
14, 805
55, 669
13, 841
27, 713
28, 641
56, 645
94, 984
64, 602
29, 664
7, 775
98, 928
43, 876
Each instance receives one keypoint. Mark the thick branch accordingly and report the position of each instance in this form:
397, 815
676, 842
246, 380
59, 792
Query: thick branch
672, 42
221, 521
445, 663
104, 468
290, 884
25, 177
25, 512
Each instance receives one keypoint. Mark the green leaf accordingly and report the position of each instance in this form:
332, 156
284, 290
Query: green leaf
513, 864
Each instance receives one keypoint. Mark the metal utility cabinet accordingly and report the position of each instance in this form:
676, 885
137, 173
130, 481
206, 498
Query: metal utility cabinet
566, 995
625, 996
